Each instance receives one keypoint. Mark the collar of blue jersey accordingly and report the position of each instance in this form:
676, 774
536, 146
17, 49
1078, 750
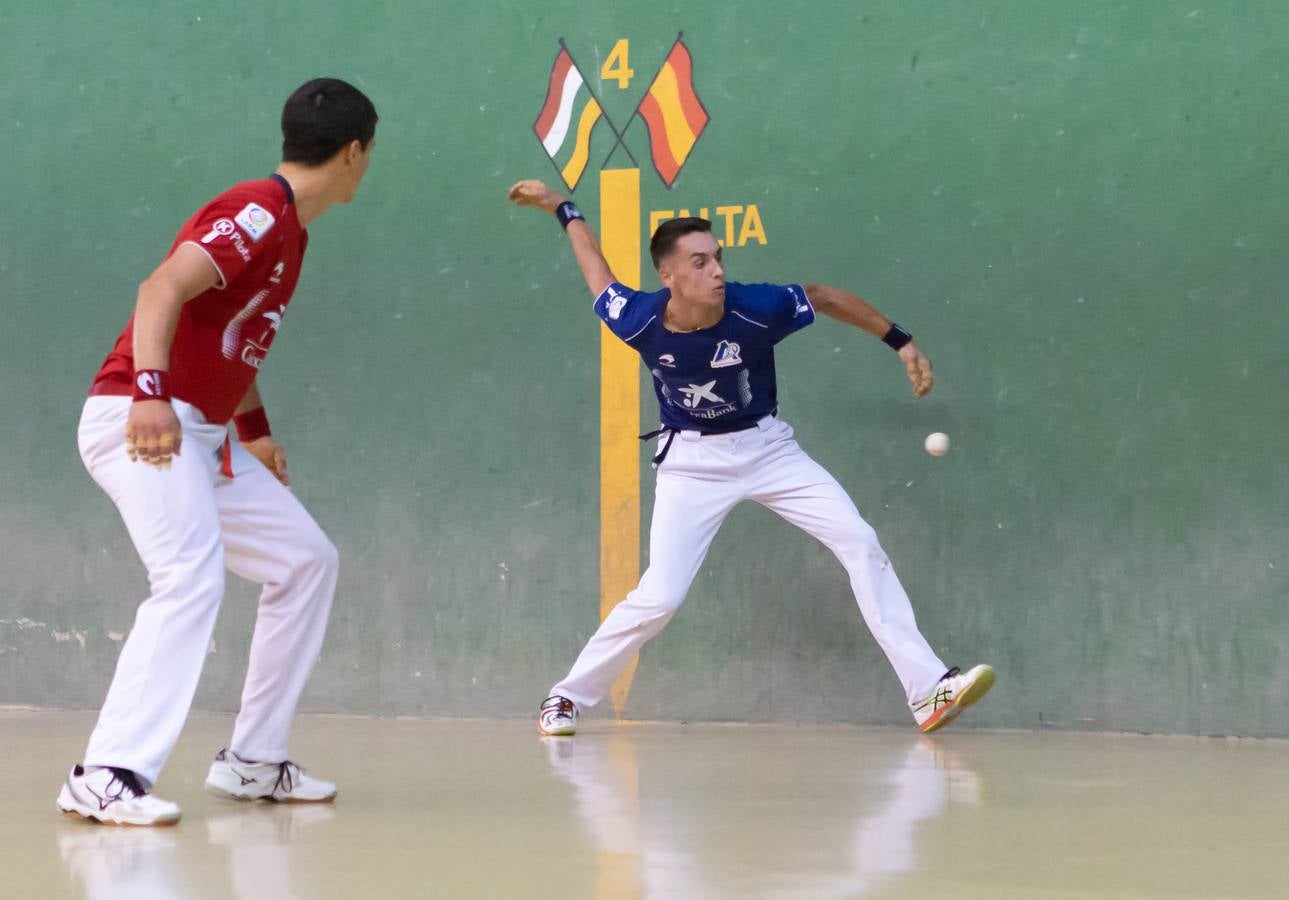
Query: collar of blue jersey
286, 186
664, 297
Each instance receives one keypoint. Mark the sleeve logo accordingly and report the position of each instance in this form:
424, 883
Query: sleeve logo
616, 303
255, 221
802, 305
223, 227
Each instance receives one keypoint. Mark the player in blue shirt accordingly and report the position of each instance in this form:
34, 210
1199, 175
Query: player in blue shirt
709, 345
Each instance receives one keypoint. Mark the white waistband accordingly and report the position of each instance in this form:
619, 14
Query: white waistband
765, 423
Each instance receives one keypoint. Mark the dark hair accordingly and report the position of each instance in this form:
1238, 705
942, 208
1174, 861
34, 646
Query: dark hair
664, 239
322, 117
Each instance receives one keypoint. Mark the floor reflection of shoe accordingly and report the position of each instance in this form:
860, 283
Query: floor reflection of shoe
559, 750
113, 797
278, 824
124, 863
115, 848
964, 783
952, 694
243, 779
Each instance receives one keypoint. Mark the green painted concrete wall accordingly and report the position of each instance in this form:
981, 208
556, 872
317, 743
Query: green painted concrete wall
1077, 208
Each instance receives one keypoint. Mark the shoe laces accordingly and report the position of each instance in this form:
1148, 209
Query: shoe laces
952, 672
562, 706
128, 785
287, 773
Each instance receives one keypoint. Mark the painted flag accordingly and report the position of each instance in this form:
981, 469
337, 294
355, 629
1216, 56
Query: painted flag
567, 119
674, 114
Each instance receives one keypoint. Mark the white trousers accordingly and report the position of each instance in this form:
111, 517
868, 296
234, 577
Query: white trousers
188, 523
702, 478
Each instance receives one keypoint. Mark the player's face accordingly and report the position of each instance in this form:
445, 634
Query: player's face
694, 271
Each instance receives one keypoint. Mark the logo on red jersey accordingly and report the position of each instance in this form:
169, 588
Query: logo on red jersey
255, 220
223, 227
226, 228
252, 350
256, 349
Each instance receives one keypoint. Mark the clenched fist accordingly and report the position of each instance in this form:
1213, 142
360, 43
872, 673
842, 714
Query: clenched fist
153, 433
531, 192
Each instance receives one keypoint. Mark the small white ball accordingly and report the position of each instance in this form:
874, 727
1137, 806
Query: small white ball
937, 444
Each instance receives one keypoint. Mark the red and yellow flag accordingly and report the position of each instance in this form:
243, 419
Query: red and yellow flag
673, 113
567, 119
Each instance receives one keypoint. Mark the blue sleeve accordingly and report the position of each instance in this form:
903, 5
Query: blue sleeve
786, 308
626, 312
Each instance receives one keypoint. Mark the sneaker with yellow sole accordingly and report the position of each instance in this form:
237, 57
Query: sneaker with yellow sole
954, 692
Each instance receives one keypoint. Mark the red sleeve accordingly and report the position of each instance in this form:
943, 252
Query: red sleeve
232, 230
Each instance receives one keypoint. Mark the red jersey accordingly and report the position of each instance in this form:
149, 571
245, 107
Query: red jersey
253, 236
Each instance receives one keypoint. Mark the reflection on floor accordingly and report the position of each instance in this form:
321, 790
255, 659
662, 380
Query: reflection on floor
467, 808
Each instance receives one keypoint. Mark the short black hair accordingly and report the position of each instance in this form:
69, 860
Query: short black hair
323, 117
664, 239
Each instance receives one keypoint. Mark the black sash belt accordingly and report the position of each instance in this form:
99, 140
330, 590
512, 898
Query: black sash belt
666, 445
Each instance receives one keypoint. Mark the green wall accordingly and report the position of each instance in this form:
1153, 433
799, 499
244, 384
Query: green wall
1077, 208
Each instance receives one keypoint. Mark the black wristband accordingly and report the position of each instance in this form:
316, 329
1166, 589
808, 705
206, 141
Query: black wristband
566, 212
897, 337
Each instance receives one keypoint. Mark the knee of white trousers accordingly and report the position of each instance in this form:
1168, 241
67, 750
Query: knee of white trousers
859, 541
656, 615
655, 604
324, 556
191, 579
313, 556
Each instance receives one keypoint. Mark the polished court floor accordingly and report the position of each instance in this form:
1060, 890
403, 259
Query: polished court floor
471, 808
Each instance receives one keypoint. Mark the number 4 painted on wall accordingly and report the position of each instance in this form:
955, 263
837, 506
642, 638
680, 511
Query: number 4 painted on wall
617, 66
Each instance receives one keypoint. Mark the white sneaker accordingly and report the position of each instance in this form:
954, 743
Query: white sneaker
955, 692
558, 717
243, 779
113, 797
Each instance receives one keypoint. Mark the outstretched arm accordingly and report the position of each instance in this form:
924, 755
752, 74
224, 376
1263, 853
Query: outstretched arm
846, 307
590, 259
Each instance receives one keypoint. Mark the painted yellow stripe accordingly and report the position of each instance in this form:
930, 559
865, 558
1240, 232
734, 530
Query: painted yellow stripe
666, 90
619, 412
582, 149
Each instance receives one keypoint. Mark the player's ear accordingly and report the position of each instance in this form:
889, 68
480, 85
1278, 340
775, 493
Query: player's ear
664, 272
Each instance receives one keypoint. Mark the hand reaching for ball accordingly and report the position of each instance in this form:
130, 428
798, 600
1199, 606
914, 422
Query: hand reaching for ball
919, 369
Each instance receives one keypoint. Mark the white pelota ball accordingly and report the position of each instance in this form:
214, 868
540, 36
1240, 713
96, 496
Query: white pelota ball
937, 444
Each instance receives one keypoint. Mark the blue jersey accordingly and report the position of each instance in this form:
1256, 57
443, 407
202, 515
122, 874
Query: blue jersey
716, 379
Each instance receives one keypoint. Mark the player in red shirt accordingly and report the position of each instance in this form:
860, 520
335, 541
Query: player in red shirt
154, 435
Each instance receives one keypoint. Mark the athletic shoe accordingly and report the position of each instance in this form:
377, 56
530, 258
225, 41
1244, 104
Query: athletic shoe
113, 797
955, 692
558, 717
243, 779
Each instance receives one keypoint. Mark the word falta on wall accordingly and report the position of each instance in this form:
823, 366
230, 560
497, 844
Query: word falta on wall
735, 224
